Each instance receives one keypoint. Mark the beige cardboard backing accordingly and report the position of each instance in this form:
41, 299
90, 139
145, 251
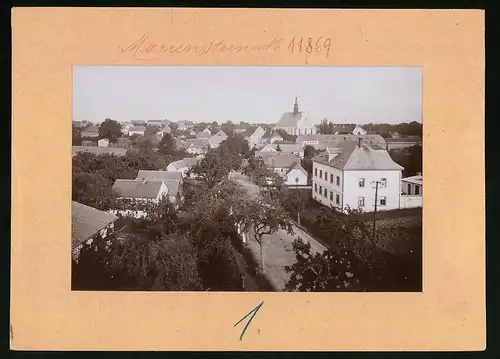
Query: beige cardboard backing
449, 314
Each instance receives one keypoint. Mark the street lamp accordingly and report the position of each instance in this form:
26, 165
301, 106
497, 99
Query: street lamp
298, 197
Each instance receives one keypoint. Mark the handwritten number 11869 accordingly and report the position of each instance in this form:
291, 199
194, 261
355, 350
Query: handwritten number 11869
310, 45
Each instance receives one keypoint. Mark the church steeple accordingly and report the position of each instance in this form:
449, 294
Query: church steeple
296, 107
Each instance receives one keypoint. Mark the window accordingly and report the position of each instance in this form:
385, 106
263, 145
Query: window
361, 182
321, 174
409, 188
417, 190
315, 187
331, 178
383, 182
383, 201
331, 196
326, 193
337, 199
326, 176
361, 201
338, 181
315, 172
320, 189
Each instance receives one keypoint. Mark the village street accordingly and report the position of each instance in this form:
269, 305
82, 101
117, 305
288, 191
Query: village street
277, 250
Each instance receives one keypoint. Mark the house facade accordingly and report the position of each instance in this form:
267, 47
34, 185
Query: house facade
411, 191
140, 191
88, 224
296, 122
103, 142
137, 130
287, 166
347, 176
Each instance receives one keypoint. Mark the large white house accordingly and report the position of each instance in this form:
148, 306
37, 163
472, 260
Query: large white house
296, 122
347, 176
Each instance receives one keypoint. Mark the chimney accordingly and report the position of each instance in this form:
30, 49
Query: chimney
359, 142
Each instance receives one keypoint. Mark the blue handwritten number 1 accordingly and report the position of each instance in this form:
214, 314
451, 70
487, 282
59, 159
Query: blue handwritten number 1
254, 311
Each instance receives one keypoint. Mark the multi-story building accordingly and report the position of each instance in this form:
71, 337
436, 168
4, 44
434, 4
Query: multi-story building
352, 174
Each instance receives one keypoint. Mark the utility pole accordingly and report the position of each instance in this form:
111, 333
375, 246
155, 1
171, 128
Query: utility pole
298, 201
375, 210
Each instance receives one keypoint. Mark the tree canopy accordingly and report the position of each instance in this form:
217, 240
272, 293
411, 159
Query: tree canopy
110, 129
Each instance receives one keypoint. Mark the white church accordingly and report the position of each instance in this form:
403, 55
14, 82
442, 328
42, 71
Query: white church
296, 122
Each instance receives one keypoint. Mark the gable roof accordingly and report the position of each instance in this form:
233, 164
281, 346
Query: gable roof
248, 131
343, 129
297, 166
87, 221
286, 136
137, 188
280, 160
159, 175
271, 133
352, 157
205, 134
413, 179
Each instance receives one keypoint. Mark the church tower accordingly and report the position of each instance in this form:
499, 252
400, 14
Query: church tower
296, 107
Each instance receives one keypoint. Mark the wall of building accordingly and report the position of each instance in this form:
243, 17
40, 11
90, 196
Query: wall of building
411, 188
391, 191
408, 201
329, 183
293, 174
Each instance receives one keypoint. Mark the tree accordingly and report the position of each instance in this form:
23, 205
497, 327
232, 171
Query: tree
167, 145
214, 125
174, 128
326, 128
77, 136
212, 169
258, 171
278, 148
329, 271
309, 151
265, 216
152, 130
110, 129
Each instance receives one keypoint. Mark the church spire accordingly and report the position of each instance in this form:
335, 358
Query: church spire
296, 107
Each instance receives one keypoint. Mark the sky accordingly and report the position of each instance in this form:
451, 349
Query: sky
254, 94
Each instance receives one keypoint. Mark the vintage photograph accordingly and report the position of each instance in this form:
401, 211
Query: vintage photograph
259, 178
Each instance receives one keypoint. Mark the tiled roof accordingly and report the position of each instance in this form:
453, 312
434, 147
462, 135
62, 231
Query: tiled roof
271, 133
298, 167
87, 221
137, 188
286, 137
166, 129
280, 160
203, 135
413, 179
99, 150
289, 147
249, 131
159, 175
353, 157
344, 129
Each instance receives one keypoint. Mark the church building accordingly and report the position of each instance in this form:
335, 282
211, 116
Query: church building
296, 122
